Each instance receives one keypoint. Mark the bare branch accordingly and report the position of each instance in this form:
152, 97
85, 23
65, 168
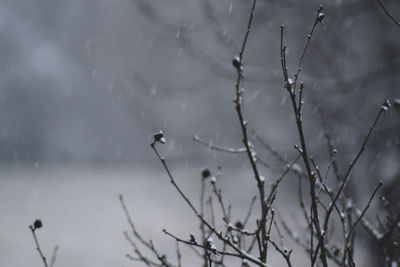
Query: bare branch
360, 217
53, 257
178, 255
217, 148
290, 85
388, 13
253, 200
38, 224
149, 244
347, 247
352, 164
240, 252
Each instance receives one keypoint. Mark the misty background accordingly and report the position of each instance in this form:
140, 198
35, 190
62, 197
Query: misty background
85, 84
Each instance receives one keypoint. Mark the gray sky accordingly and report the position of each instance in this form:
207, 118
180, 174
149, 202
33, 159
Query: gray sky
85, 81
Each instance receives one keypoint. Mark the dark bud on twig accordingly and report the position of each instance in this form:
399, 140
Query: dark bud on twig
237, 64
320, 17
239, 225
37, 224
159, 137
205, 173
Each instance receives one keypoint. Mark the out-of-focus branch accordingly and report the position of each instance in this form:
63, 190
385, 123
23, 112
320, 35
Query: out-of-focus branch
388, 13
218, 148
347, 249
352, 164
149, 244
54, 256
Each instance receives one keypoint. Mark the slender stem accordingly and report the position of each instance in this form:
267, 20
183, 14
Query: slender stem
314, 206
253, 200
218, 193
353, 227
218, 148
246, 142
33, 229
178, 254
53, 258
148, 244
275, 153
352, 164
202, 228
388, 13
290, 86
296, 76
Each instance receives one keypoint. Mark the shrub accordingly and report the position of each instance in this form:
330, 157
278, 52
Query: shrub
327, 204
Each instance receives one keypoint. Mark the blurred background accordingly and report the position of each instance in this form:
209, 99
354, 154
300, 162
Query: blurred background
85, 84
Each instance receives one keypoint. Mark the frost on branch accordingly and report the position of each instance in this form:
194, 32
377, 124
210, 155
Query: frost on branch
386, 105
159, 137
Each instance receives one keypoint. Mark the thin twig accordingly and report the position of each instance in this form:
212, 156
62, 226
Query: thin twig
253, 200
323, 185
141, 257
388, 13
309, 36
148, 244
296, 238
218, 193
217, 252
273, 151
352, 164
178, 255
269, 229
132, 225
220, 236
332, 151
275, 185
53, 258
284, 252
290, 86
33, 229
202, 227
218, 148
211, 205
353, 227
243, 125
144, 260
349, 237
302, 205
